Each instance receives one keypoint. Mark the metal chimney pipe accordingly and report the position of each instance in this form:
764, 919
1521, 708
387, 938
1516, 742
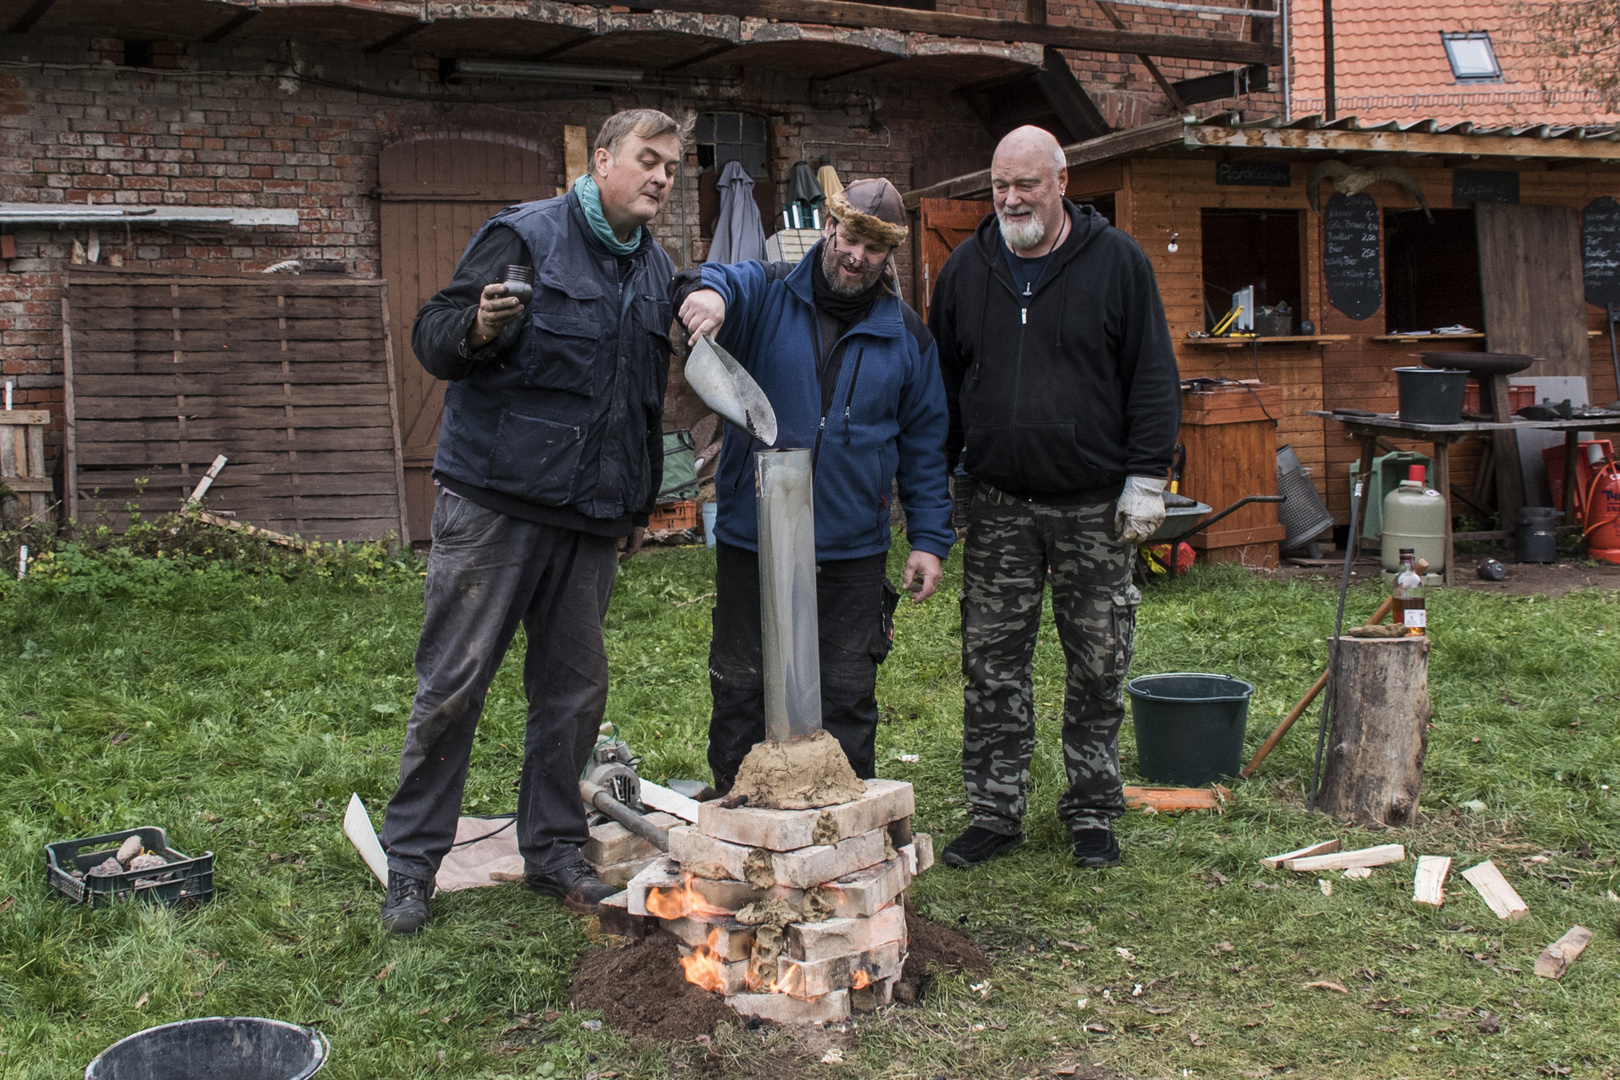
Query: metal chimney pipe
787, 593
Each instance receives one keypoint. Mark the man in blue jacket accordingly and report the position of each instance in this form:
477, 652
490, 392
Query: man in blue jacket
852, 374
549, 454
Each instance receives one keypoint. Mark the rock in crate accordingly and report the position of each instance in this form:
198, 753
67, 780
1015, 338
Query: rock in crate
78, 870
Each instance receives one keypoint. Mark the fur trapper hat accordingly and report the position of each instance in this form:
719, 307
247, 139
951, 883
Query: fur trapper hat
873, 209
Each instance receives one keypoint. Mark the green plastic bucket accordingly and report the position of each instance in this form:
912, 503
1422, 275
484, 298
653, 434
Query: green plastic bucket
1189, 726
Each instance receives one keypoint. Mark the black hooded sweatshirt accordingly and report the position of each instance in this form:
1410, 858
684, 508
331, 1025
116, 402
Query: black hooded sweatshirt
1059, 395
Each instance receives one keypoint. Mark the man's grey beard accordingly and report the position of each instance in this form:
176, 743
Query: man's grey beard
829, 273
1021, 237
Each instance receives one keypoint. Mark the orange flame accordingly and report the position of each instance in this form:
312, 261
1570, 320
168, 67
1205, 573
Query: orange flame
704, 967
678, 902
859, 979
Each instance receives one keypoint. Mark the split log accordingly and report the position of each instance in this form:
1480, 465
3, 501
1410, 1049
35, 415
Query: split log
1344, 860
1325, 847
1373, 770
1556, 958
1429, 884
1494, 889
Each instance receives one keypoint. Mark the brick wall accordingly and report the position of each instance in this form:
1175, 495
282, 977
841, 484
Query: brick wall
215, 125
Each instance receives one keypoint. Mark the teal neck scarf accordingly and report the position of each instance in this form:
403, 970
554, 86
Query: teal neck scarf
590, 200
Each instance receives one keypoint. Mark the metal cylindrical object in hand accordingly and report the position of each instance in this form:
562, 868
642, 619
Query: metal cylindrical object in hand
787, 593
520, 282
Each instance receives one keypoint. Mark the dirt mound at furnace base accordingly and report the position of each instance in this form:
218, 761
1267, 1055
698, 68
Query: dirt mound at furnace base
934, 949
804, 773
642, 990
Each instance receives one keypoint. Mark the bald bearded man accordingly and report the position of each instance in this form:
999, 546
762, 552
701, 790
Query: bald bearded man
1064, 401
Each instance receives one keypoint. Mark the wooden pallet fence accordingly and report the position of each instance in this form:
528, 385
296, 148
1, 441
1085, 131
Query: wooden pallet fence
22, 464
292, 378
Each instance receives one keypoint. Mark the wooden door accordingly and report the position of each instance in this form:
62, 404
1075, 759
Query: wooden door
1530, 275
436, 191
943, 223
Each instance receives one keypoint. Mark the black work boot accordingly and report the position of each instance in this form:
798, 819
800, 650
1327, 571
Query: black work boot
406, 910
978, 844
1095, 849
575, 883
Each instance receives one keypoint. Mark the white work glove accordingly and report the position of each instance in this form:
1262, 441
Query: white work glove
1141, 508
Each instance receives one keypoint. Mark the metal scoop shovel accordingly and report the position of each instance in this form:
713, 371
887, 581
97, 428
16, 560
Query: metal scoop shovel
729, 390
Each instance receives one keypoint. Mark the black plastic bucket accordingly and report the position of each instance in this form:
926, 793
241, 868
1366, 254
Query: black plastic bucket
214, 1048
1536, 539
1189, 727
1430, 396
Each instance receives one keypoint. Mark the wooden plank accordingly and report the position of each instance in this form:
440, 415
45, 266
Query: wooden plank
1429, 884
1494, 889
252, 530
1556, 958
1174, 800
207, 481
142, 453
213, 398
70, 494
1325, 847
1343, 860
23, 417
393, 420
576, 153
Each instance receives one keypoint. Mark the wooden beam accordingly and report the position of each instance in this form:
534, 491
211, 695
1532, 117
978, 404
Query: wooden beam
1084, 38
231, 26
1147, 61
25, 22
976, 185
396, 37
1326, 140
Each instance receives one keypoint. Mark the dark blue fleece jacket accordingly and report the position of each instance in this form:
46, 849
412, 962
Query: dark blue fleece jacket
887, 420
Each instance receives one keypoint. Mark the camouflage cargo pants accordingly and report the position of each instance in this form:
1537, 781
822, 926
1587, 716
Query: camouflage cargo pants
1013, 549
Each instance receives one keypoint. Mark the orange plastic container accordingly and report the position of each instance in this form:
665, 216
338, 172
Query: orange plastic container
1519, 397
673, 516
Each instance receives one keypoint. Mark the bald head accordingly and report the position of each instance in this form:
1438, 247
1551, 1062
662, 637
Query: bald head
1027, 180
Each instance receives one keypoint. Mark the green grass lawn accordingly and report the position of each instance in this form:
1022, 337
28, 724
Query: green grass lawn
240, 710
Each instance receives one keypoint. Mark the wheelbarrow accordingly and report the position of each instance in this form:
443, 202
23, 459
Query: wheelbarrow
1184, 517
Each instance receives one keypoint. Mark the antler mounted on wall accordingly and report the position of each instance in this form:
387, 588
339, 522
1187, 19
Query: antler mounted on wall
1351, 181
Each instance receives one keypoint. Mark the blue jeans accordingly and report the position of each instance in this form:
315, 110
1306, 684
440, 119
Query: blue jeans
487, 573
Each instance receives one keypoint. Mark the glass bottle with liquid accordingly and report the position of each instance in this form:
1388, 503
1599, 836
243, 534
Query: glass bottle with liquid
1410, 613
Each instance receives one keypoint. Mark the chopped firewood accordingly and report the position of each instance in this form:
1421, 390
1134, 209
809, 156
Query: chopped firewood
1326, 847
1494, 889
1342, 860
1557, 957
1429, 886
1174, 800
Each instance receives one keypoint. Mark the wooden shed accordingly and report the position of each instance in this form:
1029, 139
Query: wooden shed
1517, 232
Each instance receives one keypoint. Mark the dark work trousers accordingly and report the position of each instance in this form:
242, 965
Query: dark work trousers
487, 573
855, 607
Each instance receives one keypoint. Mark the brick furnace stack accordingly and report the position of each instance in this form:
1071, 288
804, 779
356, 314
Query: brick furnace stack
794, 915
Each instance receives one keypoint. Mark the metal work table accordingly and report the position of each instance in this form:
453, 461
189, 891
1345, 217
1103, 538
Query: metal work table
1368, 429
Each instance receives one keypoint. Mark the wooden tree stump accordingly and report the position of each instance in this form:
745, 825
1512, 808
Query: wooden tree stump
1372, 771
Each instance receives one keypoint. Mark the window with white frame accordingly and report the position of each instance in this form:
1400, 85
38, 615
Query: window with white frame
1472, 57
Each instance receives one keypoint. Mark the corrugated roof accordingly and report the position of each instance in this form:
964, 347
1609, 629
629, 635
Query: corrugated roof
1389, 62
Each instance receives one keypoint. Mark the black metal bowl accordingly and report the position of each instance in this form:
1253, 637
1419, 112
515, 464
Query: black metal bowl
1478, 363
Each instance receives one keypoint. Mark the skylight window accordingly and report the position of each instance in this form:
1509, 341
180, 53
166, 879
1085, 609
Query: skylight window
1472, 58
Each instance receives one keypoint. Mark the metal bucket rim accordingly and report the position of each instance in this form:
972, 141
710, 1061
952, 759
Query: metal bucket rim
318, 1043
1135, 691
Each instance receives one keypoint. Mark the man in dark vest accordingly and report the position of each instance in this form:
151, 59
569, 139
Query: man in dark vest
550, 454
1065, 402
852, 374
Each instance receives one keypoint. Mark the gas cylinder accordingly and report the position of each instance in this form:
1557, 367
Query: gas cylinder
1602, 508
1414, 517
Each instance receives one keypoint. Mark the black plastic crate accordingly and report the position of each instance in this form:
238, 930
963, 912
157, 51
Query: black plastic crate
183, 881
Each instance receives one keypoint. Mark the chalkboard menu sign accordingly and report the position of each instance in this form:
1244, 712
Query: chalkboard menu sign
1600, 251
1350, 261
1253, 174
1470, 186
